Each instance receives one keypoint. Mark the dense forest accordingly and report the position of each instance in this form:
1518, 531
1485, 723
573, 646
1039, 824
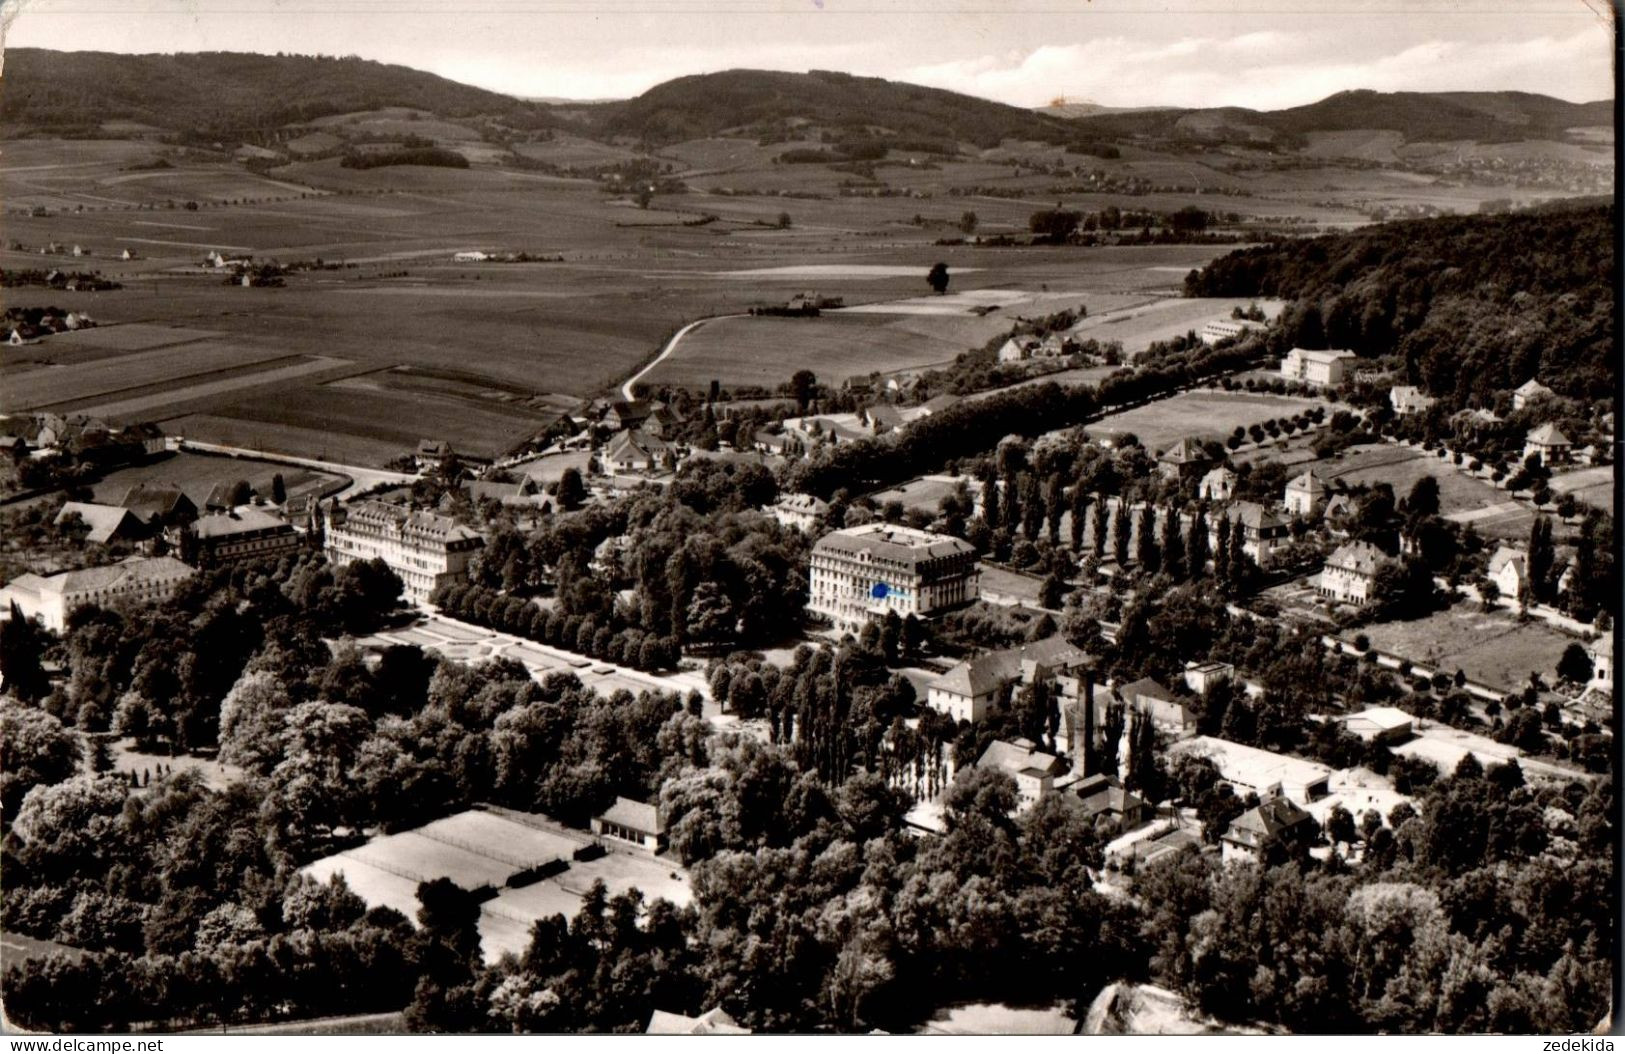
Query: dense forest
1474, 305
224, 92
706, 104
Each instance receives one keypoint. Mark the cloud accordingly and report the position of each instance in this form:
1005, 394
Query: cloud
1274, 69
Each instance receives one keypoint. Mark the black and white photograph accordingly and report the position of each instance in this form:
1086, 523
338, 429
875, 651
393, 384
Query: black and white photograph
769, 518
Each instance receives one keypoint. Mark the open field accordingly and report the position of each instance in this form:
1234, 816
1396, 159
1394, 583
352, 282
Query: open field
766, 351
1493, 648
316, 442
926, 492
1595, 486
477, 848
160, 401
398, 418
69, 384
1137, 328
15, 948
197, 474
1199, 414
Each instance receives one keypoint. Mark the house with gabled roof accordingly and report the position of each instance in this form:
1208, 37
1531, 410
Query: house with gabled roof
1036, 772
1407, 399
1276, 830
1184, 460
624, 415
107, 523
1104, 795
1350, 573
1262, 530
1166, 710
714, 1022
1217, 484
1509, 570
1307, 493
1528, 392
635, 451
632, 821
160, 503
968, 690
1549, 442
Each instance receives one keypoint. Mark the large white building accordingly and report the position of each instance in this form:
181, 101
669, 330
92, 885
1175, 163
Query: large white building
424, 548
859, 573
1225, 328
1325, 368
1262, 772
52, 598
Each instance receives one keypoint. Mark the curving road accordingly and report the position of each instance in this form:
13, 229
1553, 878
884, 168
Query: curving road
671, 346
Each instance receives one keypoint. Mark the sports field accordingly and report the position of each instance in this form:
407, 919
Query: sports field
1199, 414
478, 848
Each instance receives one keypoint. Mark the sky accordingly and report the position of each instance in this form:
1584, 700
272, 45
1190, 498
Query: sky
1262, 54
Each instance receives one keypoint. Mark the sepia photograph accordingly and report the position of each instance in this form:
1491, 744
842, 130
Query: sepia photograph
808, 518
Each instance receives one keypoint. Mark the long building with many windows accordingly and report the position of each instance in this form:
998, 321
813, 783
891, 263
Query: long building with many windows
424, 548
860, 573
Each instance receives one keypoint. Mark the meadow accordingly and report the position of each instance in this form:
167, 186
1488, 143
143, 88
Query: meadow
1493, 648
1200, 414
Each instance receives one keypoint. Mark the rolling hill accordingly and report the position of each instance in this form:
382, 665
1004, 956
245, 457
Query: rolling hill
759, 100
1485, 117
225, 93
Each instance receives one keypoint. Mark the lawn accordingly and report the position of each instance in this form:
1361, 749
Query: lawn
1492, 648
1139, 326
215, 775
197, 474
1199, 414
1462, 497
767, 351
926, 493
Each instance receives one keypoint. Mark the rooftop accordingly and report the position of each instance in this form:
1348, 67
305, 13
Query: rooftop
1019, 757
104, 521
636, 815
226, 524
1548, 435
1253, 767
126, 574
986, 673
1361, 558
888, 541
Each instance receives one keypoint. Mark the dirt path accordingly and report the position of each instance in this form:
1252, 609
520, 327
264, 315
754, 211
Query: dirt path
671, 346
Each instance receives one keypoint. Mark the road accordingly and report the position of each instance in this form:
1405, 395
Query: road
671, 346
360, 478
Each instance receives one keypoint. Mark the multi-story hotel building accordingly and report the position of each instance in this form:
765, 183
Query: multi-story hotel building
424, 548
233, 537
52, 598
859, 573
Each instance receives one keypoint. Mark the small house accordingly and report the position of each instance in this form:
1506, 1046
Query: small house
1217, 485
1276, 830
1549, 442
634, 822
1381, 724
1528, 392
